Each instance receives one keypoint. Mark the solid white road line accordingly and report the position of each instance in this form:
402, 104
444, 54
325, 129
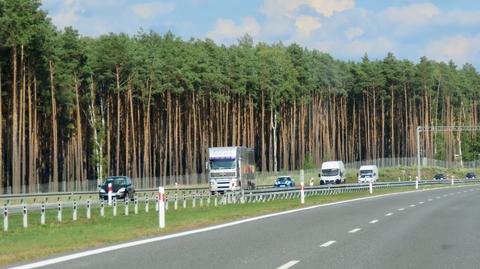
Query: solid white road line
326, 244
354, 230
373, 221
288, 265
388, 214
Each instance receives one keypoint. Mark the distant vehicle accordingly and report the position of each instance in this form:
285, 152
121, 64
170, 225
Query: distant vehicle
231, 169
284, 181
367, 173
332, 172
122, 187
439, 177
471, 176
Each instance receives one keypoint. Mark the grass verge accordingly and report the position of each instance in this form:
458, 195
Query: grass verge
19, 244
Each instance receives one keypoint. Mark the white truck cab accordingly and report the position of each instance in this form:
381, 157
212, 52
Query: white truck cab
332, 172
367, 173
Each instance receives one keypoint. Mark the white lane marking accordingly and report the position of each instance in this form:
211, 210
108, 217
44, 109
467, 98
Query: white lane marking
389, 214
430, 200
412, 205
326, 244
445, 195
288, 265
354, 230
459, 192
201, 230
401, 209
438, 197
421, 202
373, 221
465, 191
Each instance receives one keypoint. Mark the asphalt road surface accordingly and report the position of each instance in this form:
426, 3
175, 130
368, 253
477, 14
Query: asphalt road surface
425, 229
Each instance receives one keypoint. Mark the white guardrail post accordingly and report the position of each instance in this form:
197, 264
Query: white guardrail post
110, 190
161, 209
25, 216
5, 218
42, 214
302, 186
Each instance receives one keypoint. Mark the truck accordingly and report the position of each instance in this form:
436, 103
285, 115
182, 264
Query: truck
332, 172
367, 173
231, 169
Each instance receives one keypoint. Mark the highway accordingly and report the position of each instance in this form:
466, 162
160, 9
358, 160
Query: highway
424, 229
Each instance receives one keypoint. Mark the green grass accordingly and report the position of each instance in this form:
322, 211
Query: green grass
19, 244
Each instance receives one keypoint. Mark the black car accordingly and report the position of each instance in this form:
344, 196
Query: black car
471, 176
284, 181
439, 177
122, 187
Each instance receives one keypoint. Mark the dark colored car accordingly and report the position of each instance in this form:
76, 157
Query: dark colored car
439, 177
122, 187
471, 176
284, 181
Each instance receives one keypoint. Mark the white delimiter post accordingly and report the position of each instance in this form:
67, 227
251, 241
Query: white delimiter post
110, 194
5, 218
302, 186
371, 187
161, 207
452, 180
416, 182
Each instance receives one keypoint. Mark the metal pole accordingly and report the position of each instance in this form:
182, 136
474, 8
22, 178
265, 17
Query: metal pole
418, 152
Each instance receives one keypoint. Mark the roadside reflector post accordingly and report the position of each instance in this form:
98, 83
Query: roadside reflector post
59, 211
175, 202
416, 182
208, 200
201, 199
302, 186
370, 185
193, 199
25, 216
102, 209
157, 198
215, 201
42, 214
110, 190
89, 213
161, 209
5, 217
126, 206
184, 200
452, 180
135, 208
115, 207
74, 217
146, 204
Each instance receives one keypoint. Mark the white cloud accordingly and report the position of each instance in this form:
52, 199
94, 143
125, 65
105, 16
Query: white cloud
354, 32
306, 25
151, 10
288, 8
458, 48
414, 15
226, 30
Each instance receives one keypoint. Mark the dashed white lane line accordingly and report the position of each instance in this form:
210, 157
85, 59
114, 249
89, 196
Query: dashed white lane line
438, 197
354, 230
421, 202
465, 191
326, 244
445, 195
430, 200
389, 214
412, 205
401, 209
373, 221
288, 265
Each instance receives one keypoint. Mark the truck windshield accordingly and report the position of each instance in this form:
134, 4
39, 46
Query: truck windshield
329, 172
366, 172
222, 164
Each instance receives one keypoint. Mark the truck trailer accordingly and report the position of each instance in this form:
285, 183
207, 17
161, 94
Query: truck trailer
231, 169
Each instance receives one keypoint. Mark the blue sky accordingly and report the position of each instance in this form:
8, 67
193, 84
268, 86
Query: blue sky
347, 29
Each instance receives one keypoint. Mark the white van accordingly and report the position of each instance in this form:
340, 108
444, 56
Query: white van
333, 172
367, 173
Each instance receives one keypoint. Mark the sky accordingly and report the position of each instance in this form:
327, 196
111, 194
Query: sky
441, 30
